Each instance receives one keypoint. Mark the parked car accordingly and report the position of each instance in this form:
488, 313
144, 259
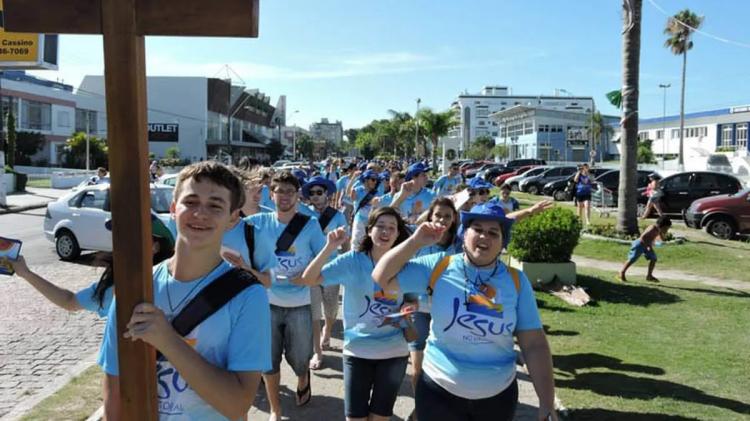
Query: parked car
75, 222
516, 163
557, 188
280, 163
682, 189
718, 163
500, 179
722, 216
481, 171
492, 173
514, 181
168, 179
535, 184
471, 165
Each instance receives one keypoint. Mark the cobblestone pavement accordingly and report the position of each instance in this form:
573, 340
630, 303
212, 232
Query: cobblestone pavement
38, 341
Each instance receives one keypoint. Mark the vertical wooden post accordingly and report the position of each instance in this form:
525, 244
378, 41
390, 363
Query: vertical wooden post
125, 74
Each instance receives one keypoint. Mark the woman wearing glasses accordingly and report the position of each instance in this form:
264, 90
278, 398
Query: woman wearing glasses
479, 305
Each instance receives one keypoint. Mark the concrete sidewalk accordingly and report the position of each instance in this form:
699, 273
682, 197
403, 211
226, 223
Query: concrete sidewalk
32, 198
327, 386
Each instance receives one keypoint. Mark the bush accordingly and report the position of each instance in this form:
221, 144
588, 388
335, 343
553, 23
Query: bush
610, 231
548, 237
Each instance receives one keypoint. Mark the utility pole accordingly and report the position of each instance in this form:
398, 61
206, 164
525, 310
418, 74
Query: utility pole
88, 129
416, 136
664, 125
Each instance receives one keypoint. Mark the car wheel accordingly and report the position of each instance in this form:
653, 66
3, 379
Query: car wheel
721, 228
66, 245
532, 189
560, 196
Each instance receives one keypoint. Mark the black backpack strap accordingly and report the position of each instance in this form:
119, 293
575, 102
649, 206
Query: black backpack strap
210, 299
366, 200
326, 217
250, 242
291, 232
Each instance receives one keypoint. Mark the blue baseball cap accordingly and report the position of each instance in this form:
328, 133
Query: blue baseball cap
369, 174
300, 175
477, 183
318, 181
415, 169
489, 211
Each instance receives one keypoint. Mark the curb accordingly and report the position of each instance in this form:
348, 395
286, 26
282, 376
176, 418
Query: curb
17, 209
61, 381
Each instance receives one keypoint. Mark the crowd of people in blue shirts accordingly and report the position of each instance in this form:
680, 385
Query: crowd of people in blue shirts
248, 267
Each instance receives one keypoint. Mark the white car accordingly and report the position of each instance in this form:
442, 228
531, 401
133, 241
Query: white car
75, 221
168, 179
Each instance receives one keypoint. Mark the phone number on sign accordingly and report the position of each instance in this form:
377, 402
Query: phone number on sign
6, 51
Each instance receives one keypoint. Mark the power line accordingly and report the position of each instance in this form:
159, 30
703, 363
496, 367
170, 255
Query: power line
698, 31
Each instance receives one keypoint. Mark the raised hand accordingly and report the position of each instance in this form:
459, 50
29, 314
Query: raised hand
542, 206
336, 238
375, 202
428, 233
408, 187
19, 266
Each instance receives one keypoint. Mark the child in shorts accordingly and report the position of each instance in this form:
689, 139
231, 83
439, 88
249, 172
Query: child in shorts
645, 246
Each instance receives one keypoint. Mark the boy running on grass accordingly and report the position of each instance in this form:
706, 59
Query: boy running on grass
213, 372
645, 245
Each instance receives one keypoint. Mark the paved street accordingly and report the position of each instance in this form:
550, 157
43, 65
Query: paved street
38, 341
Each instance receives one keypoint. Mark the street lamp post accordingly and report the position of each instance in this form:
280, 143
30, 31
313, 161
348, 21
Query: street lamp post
416, 136
242, 106
294, 138
664, 125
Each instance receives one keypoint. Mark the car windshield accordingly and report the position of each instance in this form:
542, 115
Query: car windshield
718, 160
161, 198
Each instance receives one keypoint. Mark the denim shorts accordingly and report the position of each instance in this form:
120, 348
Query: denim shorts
291, 335
637, 248
437, 404
422, 325
371, 386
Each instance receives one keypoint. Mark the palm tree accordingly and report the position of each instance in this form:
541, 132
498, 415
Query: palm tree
598, 129
436, 125
627, 202
679, 29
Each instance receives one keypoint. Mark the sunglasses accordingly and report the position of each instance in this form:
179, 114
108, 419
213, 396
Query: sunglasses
317, 192
481, 192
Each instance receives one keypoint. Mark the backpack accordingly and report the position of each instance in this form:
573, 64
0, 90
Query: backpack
445, 261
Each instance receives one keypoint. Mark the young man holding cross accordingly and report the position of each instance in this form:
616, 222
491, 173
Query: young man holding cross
298, 240
213, 370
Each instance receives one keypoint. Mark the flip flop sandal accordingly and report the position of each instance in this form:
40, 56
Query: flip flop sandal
306, 392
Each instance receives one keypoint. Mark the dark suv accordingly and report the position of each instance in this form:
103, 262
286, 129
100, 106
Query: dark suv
558, 189
722, 216
681, 189
534, 185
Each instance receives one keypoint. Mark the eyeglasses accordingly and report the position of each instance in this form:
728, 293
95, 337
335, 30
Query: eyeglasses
481, 192
284, 192
317, 192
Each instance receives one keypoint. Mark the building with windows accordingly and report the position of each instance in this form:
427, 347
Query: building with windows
41, 106
327, 131
474, 110
723, 130
203, 117
549, 134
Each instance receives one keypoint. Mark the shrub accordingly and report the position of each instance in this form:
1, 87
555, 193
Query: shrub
548, 237
610, 231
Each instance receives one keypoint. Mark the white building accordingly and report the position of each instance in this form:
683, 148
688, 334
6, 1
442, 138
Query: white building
40, 106
327, 131
474, 110
723, 130
199, 116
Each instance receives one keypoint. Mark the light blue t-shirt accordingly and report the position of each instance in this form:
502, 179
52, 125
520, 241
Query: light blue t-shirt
474, 316
365, 304
446, 185
341, 187
387, 199
424, 196
263, 255
237, 337
265, 198
364, 212
87, 301
338, 220
290, 263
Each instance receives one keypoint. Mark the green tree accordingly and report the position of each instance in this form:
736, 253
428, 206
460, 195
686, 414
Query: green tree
501, 151
436, 125
10, 156
598, 129
679, 30
485, 141
27, 145
305, 146
275, 150
627, 201
645, 154
172, 152
75, 151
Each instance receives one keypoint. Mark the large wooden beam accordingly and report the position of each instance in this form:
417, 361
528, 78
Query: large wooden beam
125, 78
228, 18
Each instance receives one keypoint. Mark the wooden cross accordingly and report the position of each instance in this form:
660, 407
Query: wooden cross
124, 23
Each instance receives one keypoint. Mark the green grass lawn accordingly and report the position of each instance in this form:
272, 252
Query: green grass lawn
676, 351
40, 182
75, 401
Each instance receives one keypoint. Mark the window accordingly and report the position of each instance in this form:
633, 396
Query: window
482, 111
36, 115
63, 119
481, 122
678, 182
675, 133
742, 136
660, 134
706, 181
494, 134
726, 136
86, 120
93, 199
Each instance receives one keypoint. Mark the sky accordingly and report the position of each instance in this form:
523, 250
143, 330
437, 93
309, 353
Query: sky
355, 60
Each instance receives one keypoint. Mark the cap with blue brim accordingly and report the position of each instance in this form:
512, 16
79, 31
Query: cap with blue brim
318, 181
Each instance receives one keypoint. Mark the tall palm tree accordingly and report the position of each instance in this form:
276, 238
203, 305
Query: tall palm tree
679, 29
627, 203
598, 129
436, 125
